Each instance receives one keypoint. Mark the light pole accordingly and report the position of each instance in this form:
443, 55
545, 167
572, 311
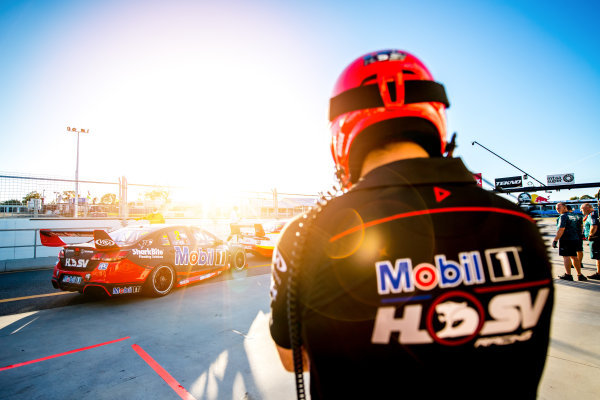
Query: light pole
75, 213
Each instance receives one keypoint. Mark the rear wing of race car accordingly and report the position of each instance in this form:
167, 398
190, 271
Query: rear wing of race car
102, 241
246, 230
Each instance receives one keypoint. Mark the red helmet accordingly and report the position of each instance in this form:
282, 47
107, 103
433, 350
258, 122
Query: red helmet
384, 96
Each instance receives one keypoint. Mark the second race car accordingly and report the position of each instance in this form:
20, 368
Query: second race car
257, 238
152, 259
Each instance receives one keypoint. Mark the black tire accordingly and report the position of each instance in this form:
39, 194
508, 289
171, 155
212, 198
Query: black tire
238, 261
161, 281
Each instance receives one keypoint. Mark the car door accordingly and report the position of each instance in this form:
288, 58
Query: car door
212, 253
181, 244
154, 249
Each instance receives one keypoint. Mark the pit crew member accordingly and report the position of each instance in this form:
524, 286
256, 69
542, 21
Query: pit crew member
415, 283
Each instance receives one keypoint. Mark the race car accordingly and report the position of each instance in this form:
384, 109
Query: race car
257, 239
152, 258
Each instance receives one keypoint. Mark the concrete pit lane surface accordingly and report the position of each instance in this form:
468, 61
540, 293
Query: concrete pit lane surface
204, 341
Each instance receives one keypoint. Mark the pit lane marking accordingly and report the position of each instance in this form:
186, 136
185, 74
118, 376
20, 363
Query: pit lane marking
262, 265
172, 382
33, 297
62, 354
17, 330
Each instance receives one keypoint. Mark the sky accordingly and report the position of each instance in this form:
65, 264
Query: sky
233, 95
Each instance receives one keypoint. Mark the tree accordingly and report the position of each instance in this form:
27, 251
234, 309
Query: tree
31, 195
157, 195
13, 202
108, 198
586, 197
574, 198
68, 194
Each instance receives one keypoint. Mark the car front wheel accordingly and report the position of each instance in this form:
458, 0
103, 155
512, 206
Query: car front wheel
161, 281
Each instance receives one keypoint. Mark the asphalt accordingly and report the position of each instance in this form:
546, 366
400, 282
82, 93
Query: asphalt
214, 341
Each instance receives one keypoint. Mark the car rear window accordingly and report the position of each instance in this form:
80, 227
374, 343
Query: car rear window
129, 235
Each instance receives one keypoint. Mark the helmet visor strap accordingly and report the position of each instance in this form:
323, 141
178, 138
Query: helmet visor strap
368, 96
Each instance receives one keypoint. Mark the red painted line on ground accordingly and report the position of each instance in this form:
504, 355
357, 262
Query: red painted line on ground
429, 212
513, 286
180, 390
61, 354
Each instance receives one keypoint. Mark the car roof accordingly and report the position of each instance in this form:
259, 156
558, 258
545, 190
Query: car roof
156, 227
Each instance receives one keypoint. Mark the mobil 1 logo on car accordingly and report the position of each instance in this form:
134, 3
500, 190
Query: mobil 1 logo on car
478, 298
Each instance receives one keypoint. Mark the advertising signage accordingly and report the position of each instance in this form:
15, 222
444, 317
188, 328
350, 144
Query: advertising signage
524, 198
509, 182
560, 179
479, 179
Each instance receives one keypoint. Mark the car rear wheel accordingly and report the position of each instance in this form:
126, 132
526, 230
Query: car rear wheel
161, 281
238, 260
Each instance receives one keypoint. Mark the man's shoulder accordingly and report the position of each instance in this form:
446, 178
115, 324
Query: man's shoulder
563, 217
291, 227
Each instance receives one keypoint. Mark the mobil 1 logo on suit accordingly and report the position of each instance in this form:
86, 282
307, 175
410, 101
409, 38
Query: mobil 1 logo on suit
504, 264
493, 308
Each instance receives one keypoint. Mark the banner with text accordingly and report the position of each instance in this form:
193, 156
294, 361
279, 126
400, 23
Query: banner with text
509, 182
560, 179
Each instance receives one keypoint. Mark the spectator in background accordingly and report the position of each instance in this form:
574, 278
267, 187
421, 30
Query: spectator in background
590, 231
579, 223
568, 237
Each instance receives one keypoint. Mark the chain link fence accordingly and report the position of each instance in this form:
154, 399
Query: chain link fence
38, 196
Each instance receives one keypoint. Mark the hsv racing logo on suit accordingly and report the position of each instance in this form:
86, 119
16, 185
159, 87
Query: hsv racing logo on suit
456, 317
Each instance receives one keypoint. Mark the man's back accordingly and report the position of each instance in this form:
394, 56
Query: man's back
570, 222
432, 287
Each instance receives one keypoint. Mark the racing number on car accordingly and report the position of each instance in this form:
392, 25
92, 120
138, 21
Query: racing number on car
72, 262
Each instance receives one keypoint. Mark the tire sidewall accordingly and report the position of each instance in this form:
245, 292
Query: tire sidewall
159, 269
238, 261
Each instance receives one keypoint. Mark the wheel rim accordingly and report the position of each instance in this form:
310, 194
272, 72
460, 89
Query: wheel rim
239, 261
163, 279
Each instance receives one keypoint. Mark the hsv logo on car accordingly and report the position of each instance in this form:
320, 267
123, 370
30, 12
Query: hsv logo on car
104, 243
71, 262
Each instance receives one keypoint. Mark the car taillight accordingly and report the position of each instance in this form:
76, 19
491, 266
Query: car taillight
113, 256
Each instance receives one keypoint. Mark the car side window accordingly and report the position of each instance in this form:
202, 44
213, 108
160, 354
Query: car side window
202, 239
163, 240
180, 238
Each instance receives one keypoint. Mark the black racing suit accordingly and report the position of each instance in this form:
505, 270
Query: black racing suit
417, 283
